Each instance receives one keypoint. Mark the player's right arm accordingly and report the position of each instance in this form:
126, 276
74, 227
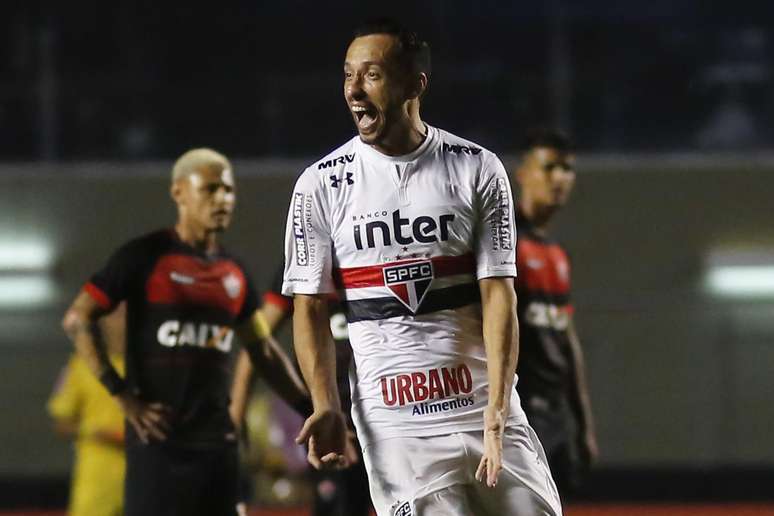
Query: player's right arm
106, 289
273, 315
308, 278
325, 430
148, 419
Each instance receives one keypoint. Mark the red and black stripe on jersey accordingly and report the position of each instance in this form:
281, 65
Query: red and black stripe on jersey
545, 366
435, 300
182, 308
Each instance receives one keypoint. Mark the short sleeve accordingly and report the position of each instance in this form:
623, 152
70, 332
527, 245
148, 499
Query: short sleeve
273, 296
65, 401
111, 284
496, 230
308, 259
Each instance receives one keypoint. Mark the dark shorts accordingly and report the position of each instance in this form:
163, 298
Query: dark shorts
557, 432
181, 480
342, 493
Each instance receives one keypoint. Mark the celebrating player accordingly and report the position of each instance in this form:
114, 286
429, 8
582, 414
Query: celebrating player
186, 298
415, 227
552, 380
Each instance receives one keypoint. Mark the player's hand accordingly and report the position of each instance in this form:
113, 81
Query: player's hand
589, 449
149, 420
492, 460
325, 434
350, 448
109, 437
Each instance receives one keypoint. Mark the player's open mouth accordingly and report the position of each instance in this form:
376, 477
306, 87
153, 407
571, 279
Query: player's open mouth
365, 117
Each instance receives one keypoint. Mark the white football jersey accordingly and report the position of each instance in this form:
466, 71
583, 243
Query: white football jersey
404, 239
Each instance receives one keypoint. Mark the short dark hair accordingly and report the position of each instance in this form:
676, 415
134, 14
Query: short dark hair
548, 137
413, 52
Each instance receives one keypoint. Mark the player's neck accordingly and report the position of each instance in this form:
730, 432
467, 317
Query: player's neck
538, 216
198, 238
404, 138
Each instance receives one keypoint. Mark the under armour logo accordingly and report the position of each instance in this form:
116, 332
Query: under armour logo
348, 178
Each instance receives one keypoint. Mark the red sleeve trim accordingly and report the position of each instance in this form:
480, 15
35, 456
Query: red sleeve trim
98, 295
283, 303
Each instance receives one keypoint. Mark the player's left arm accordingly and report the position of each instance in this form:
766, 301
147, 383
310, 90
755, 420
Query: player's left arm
501, 342
580, 401
65, 403
273, 364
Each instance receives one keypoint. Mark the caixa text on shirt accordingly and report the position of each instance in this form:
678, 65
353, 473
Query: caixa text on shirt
419, 386
200, 335
423, 229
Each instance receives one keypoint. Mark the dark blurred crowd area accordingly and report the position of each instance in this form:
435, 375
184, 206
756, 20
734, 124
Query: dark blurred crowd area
138, 80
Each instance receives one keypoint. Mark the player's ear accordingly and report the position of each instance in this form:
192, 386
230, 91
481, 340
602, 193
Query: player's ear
520, 173
418, 86
176, 191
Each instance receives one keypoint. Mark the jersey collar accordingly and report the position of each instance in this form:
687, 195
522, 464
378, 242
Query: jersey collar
430, 142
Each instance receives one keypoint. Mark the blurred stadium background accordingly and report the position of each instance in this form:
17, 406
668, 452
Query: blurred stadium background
670, 227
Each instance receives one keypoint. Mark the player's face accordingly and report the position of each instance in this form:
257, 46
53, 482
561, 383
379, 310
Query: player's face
208, 197
548, 177
374, 86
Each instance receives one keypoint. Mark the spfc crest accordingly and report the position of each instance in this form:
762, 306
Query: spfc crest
409, 282
401, 509
233, 285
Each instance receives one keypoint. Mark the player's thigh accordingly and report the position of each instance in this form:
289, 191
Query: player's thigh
180, 482
450, 501
401, 470
148, 479
524, 486
221, 482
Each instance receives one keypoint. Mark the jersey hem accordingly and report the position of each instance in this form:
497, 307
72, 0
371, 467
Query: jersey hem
437, 430
496, 272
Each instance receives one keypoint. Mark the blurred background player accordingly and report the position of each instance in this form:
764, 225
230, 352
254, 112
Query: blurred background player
186, 299
82, 410
338, 492
552, 377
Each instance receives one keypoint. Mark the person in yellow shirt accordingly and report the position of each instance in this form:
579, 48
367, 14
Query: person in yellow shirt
83, 410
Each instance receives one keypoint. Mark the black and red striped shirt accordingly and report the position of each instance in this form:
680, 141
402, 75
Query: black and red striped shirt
182, 308
545, 366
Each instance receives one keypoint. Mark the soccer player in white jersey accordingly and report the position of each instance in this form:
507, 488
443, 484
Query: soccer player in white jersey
414, 227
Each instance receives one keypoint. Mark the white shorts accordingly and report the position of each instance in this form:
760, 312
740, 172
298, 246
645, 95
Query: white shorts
429, 476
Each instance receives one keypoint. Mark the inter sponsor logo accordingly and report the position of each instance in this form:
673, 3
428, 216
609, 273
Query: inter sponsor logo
339, 160
299, 233
409, 282
500, 224
423, 229
461, 149
423, 409
175, 333
419, 386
